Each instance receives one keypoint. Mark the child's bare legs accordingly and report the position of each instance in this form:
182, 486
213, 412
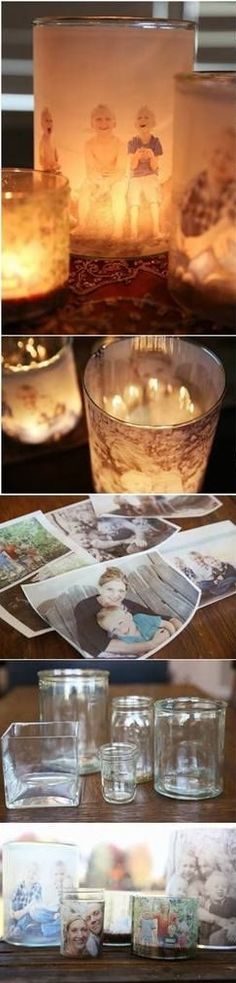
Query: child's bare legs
161, 636
118, 200
134, 219
155, 219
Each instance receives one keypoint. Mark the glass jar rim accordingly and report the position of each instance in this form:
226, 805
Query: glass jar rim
132, 701
166, 898
181, 704
72, 725
58, 182
111, 21
152, 426
61, 674
118, 748
36, 366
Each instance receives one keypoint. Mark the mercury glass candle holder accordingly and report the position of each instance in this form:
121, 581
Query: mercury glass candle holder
189, 747
152, 405
41, 400
165, 928
40, 765
103, 91
36, 877
35, 243
202, 260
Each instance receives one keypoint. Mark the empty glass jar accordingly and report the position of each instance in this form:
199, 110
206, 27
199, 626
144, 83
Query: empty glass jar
118, 772
132, 720
81, 695
35, 878
189, 747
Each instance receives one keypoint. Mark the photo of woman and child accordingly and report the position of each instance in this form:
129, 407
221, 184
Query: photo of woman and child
202, 864
83, 930
110, 611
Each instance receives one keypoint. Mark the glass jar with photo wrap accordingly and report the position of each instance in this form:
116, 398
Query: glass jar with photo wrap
81, 695
132, 720
152, 406
82, 922
202, 260
164, 928
104, 116
118, 918
202, 861
41, 397
35, 878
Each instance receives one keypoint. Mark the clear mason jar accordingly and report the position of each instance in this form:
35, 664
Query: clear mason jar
41, 399
164, 928
189, 747
103, 90
36, 877
132, 720
81, 695
202, 259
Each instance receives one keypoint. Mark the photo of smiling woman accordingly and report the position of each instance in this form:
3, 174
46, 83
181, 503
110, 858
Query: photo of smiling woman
82, 928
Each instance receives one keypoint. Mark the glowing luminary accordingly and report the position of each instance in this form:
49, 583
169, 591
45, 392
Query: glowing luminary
103, 115
35, 260
202, 265
41, 397
152, 408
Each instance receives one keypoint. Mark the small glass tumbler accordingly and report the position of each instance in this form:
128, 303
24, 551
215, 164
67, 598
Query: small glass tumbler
36, 877
118, 918
40, 765
132, 720
202, 260
82, 922
35, 262
80, 695
164, 928
118, 772
41, 400
152, 405
189, 747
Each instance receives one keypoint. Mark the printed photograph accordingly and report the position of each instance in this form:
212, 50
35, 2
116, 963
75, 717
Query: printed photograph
151, 505
129, 609
25, 545
207, 556
82, 928
202, 864
109, 537
14, 607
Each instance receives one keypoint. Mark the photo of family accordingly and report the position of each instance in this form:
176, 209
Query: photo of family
151, 505
25, 545
202, 864
129, 610
109, 537
207, 556
14, 607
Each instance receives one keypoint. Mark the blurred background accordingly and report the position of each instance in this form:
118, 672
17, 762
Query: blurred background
216, 678
214, 50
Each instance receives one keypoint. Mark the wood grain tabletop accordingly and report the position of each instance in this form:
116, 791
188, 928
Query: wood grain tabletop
21, 704
210, 635
23, 965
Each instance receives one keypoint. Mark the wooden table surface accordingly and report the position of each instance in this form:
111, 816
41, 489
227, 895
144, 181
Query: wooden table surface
210, 635
21, 704
23, 965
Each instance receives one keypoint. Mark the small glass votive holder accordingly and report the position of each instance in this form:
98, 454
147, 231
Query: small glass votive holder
132, 720
82, 923
35, 260
165, 928
118, 918
152, 406
41, 400
118, 772
189, 747
40, 765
